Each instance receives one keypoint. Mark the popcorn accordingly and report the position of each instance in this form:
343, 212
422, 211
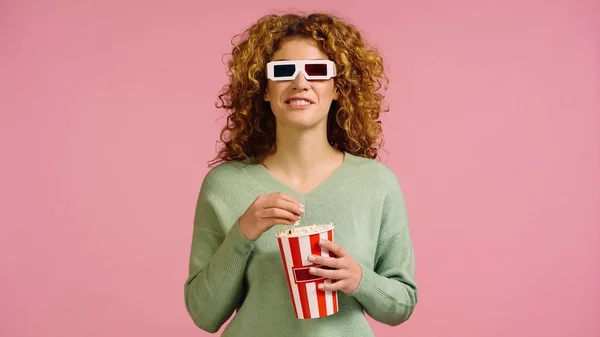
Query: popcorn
304, 230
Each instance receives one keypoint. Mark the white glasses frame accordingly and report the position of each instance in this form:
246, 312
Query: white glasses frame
299, 67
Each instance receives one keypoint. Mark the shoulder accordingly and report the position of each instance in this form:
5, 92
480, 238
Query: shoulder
224, 169
373, 170
225, 173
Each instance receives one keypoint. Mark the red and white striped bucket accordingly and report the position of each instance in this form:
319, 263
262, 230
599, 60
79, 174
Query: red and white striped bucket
307, 299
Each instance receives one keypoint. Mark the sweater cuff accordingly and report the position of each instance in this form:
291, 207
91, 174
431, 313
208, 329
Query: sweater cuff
368, 293
238, 241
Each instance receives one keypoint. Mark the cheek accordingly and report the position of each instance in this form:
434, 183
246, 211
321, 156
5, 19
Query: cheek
327, 91
275, 91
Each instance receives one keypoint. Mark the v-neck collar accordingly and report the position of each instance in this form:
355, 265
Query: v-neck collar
267, 179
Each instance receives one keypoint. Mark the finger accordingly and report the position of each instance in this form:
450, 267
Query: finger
334, 286
277, 213
333, 247
331, 262
270, 222
290, 206
281, 195
263, 199
334, 274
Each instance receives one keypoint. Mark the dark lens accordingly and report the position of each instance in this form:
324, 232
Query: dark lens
284, 70
316, 69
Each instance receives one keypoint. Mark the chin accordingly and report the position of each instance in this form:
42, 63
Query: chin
299, 125
301, 119
303, 122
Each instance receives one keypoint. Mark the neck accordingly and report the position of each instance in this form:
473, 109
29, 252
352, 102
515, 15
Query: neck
299, 152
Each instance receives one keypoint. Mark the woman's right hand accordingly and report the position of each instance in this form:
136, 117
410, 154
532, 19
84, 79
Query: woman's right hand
267, 211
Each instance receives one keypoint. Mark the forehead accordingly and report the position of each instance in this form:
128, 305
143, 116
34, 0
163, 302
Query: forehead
299, 49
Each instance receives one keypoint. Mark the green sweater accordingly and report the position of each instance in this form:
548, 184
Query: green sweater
228, 272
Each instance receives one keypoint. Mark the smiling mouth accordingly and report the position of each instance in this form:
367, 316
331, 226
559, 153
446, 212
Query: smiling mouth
299, 102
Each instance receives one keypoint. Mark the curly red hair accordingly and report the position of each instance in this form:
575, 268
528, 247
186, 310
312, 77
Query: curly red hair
353, 121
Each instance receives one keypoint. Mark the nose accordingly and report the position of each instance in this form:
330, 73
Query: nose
300, 82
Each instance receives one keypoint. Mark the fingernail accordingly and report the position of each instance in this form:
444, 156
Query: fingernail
302, 208
322, 242
311, 258
321, 286
312, 270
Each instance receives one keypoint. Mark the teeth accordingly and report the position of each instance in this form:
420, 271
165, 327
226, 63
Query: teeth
299, 102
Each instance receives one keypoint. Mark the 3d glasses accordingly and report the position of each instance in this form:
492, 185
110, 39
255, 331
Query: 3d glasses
312, 70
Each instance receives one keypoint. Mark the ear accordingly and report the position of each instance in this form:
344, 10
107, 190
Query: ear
267, 97
336, 94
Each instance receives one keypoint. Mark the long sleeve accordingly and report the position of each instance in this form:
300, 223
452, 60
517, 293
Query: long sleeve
389, 293
214, 287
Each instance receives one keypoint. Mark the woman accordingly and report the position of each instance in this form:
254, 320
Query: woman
300, 143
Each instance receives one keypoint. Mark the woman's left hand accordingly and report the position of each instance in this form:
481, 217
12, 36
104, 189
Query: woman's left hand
346, 272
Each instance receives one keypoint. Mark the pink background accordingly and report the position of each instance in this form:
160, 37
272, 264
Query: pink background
108, 119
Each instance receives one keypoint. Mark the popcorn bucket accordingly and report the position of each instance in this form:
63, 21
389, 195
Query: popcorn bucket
295, 246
